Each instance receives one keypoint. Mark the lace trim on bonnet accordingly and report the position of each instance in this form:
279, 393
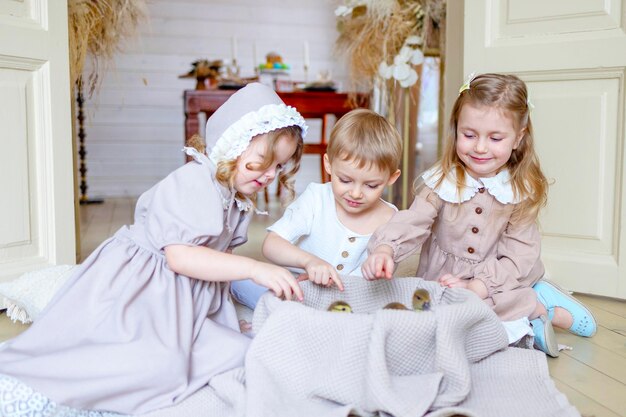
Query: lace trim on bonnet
499, 186
237, 136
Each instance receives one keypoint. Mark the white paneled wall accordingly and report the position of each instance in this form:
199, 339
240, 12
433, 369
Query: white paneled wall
135, 123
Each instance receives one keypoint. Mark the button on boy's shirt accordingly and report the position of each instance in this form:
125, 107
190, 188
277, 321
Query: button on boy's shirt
311, 223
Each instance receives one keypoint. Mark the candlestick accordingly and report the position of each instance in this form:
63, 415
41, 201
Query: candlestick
233, 49
254, 55
306, 54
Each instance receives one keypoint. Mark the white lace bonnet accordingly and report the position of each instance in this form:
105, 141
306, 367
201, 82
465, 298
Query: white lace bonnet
251, 111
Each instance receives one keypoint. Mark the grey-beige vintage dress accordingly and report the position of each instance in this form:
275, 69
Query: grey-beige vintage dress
126, 333
470, 235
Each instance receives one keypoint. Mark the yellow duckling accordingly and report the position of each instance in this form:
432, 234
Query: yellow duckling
340, 307
395, 306
421, 300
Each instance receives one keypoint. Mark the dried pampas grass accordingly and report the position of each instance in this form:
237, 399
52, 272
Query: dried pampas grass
97, 29
375, 31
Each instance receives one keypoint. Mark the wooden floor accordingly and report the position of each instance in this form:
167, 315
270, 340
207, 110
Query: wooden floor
592, 375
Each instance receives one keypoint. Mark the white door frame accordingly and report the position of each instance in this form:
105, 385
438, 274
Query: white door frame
37, 211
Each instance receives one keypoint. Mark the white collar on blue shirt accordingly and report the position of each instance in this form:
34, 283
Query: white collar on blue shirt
499, 186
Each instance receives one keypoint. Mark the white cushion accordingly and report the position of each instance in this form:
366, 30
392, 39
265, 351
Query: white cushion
25, 297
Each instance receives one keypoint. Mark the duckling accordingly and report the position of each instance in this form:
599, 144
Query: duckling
340, 307
421, 300
395, 306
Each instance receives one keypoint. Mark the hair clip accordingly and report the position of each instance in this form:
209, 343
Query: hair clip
530, 105
466, 84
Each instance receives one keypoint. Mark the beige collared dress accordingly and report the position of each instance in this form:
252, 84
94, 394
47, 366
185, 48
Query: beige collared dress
474, 239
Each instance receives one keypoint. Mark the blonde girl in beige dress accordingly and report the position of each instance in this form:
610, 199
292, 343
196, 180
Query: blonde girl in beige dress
147, 320
475, 215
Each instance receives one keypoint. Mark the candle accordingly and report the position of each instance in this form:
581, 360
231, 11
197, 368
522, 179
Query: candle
233, 49
254, 54
306, 54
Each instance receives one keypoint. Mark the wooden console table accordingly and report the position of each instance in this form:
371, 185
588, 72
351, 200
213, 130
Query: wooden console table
311, 105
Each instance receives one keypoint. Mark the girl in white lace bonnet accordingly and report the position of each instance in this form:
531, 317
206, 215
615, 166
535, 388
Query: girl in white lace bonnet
253, 139
146, 320
475, 216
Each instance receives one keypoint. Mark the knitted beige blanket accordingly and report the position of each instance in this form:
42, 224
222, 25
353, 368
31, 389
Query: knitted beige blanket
451, 360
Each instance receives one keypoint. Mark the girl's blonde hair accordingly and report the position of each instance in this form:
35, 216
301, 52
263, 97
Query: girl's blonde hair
367, 138
226, 170
509, 94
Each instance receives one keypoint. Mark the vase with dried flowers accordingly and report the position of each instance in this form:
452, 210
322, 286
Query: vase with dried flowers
385, 42
203, 70
96, 29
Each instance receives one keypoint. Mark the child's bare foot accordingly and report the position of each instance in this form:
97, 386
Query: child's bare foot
562, 318
245, 326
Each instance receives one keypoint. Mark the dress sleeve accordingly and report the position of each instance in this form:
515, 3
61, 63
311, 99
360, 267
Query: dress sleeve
185, 208
517, 255
407, 230
241, 231
298, 218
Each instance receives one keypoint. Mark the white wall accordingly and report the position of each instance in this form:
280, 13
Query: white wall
135, 123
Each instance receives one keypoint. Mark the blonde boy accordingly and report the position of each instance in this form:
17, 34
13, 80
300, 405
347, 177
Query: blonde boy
325, 231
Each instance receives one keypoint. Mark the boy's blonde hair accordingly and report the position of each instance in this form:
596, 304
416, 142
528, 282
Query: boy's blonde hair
509, 94
367, 138
226, 170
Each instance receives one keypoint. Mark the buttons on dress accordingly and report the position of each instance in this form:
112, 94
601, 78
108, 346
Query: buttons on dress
470, 249
352, 238
339, 267
474, 229
478, 210
345, 254
481, 190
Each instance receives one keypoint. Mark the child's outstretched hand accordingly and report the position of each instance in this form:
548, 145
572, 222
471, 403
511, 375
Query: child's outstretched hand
277, 279
456, 281
322, 273
452, 281
379, 264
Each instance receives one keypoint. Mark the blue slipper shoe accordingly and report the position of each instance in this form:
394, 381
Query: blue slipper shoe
551, 295
545, 339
